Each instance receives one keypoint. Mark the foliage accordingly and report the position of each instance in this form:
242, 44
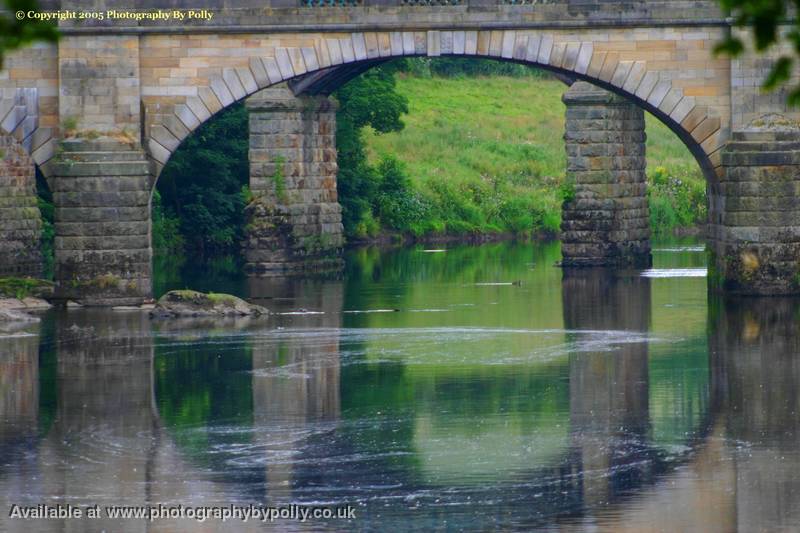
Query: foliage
24, 287
765, 18
369, 100
388, 194
456, 67
202, 186
44, 201
167, 237
397, 206
279, 180
16, 33
487, 155
675, 201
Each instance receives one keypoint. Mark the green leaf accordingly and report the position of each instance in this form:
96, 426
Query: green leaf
780, 73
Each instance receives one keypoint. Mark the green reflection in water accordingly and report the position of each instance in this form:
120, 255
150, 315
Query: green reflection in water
471, 375
48, 375
202, 384
679, 392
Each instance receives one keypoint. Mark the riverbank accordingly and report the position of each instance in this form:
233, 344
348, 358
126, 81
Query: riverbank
406, 239
487, 152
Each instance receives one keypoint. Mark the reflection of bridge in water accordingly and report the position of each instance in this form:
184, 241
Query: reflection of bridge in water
110, 435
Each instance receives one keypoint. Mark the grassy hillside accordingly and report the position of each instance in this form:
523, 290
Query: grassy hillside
504, 134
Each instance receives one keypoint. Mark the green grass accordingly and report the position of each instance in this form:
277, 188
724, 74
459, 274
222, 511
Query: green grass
25, 287
504, 135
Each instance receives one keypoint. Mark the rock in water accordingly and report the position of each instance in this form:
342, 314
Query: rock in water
192, 303
13, 315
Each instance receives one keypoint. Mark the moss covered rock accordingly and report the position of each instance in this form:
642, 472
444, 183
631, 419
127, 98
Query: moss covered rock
193, 303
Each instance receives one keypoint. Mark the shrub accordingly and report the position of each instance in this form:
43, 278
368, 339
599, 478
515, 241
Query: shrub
675, 202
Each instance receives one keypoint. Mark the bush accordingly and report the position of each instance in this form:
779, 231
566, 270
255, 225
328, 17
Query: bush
675, 202
166, 229
397, 205
369, 100
201, 186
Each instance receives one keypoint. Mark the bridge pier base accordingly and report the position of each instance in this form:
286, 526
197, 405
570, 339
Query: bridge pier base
754, 214
294, 220
101, 190
20, 220
606, 221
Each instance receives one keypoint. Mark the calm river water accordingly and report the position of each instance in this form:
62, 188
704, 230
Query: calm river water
477, 388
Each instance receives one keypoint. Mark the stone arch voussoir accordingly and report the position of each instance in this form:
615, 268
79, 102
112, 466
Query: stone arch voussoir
19, 118
703, 132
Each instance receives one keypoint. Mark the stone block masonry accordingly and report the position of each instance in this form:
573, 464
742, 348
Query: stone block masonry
606, 222
755, 215
20, 220
101, 192
294, 221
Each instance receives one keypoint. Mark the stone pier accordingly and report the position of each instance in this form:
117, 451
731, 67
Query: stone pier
101, 192
605, 219
294, 220
754, 210
20, 220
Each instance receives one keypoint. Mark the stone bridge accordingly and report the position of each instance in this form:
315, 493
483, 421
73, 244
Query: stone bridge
101, 112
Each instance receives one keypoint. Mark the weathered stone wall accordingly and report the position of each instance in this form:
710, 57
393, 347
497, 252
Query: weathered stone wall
755, 215
607, 221
20, 220
101, 190
294, 221
99, 85
750, 104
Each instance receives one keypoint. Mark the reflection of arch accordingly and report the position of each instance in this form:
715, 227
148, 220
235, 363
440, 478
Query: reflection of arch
693, 122
118, 353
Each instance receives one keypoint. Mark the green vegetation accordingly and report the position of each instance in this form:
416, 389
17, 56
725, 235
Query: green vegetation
369, 100
200, 204
47, 210
486, 155
278, 179
167, 236
461, 67
25, 287
675, 202
16, 33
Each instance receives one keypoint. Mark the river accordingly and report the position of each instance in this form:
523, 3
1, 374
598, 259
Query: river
471, 388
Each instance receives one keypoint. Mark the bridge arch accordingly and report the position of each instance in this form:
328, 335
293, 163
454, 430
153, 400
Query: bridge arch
19, 120
638, 75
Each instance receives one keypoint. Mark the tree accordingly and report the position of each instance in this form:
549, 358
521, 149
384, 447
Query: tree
369, 100
19, 30
765, 18
202, 183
